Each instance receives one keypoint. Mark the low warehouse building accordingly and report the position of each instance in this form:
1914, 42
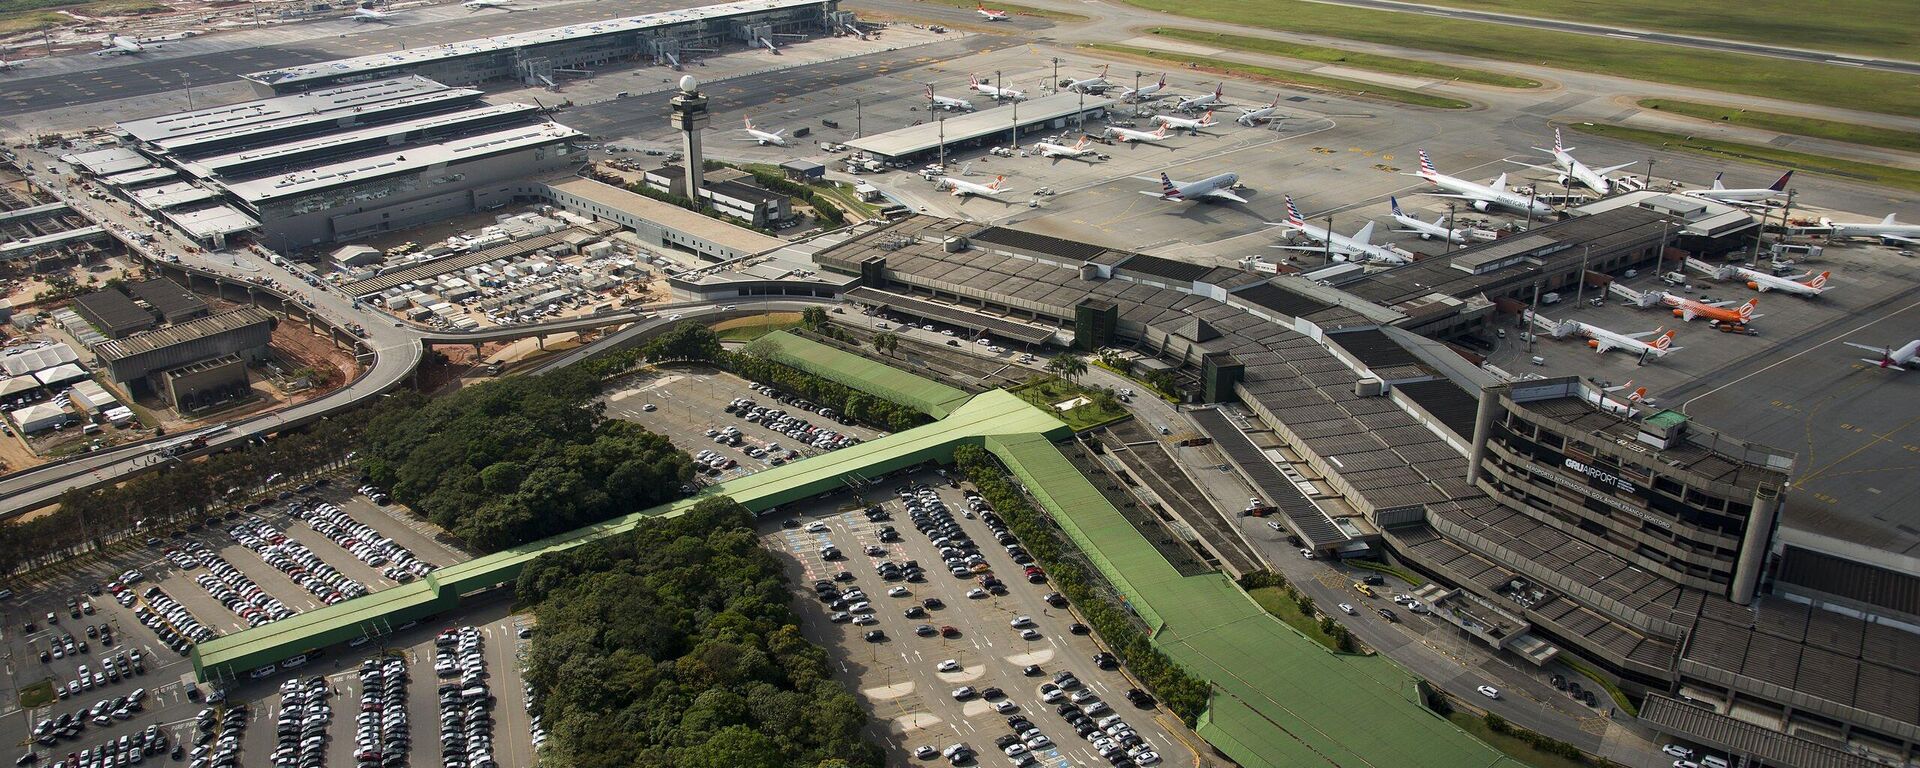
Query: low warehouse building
39, 417
209, 382
114, 314
244, 332
165, 297
978, 129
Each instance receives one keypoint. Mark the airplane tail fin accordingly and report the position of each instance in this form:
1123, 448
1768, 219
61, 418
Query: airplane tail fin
1161, 131
1820, 280
749, 122
1637, 395
1167, 189
1426, 165
1888, 220
1395, 202
1208, 118
1500, 183
1163, 81
1293, 213
997, 181
1716, 180
1557, 145
1781, 184
1665, 341
1365, 235
1746, 310
929, 93
1082, 143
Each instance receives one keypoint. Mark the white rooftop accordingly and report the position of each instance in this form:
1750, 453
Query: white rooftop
30, 360
217, 220
487, 45
109, 161
171, 195
172, 130
973, 125
213, 166
402, 160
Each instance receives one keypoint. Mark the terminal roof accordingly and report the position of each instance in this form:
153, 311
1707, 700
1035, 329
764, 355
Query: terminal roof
914, 139
400, 160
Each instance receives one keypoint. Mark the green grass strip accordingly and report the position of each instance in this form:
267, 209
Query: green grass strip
36, 695
1411, 578
1803, 81
1016, 10
1613, 691
1851, 133
1320, 82
1276, 602
1873, 27
1753, 153
1353, 59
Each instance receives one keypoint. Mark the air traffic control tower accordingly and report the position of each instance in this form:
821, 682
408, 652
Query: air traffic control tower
689, 117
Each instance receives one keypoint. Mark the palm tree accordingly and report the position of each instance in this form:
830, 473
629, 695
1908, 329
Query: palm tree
885, 342
1067, 365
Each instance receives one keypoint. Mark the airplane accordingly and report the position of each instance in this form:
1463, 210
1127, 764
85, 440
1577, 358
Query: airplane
991, 14
1603, 340
1075, 152
965, 188
5, 64
1763, 282
1574, 170
1145, 92
1360, 247
1746, 198
765, 138
366, 12
948, 102
1890, 357
1717, 312
123, 45
1253, 117
1191, 125
480, 5
1888, 230
973, 82
1480, 196
1203, 101
1212, 187
1434, 229
1125, 135
1623, 406
1091, 84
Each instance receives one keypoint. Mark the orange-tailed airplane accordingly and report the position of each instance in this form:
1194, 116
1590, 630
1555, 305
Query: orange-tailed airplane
1718, 312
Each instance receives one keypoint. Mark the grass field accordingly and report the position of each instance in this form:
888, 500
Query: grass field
1801, 161
750, 328
1017, 10
1353, 59
38, 694
1513, 746
1286, 610
1302, 79
1807, 82
1411, 578
1799, 126
1874, 27
1045, 392
14, 24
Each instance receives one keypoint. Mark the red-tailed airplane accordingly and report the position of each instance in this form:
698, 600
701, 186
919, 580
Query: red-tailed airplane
991, 14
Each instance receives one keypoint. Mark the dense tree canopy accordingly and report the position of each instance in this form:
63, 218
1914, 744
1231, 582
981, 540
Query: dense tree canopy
514, 460
674, 645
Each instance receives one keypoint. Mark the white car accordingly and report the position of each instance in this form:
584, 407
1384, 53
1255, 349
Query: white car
816, 527
1489, 691
950, 665
1678, 751
1029, 634
1005, 706
963, 693
1346, 609
1021, 621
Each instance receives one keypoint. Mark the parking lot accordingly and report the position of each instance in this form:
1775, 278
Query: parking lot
691, 406
960, 652
132, 635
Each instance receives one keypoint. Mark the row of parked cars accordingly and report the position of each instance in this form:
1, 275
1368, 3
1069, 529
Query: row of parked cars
298, 562
382, 734
301, 730
793, 426
216, 737
362, 540
466, 706
226, 583
130, 749
112, 669
171, 621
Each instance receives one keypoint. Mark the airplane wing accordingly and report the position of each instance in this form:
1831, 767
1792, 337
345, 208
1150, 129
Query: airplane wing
1547, 168
1882, 364
1305, 248
1688, 315
1601, 345
1881, 350
1612, 168
1640, 335
1155, 194
1445, 194
1225, 195
1898, 238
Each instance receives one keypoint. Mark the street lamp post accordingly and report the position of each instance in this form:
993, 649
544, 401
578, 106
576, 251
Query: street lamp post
1329, 238
1449, 245
1649, 173
859, 119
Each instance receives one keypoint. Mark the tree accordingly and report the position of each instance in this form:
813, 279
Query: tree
1105, 400
885, 342
687, 341
813, 317
1067, 365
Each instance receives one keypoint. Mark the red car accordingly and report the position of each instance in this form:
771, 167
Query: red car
949, 632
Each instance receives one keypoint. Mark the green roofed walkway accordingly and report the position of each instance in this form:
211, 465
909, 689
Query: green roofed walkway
1279, 699
995, 413
874, 378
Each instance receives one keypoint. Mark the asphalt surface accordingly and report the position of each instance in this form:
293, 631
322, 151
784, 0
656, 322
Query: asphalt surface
897, 679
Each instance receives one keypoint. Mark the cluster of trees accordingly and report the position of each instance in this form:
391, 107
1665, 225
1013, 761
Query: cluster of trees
1183, 693
674, 646
857, 406
515, 460
180, 493
830, 215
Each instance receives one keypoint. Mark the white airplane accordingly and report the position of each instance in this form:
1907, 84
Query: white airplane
1145, 92
1191, 125
1002, 94
480, 5
5, 64
1077, 151
1888, 230
948, 102
1763, 282
1203, 101
123, 45
1434, 229
1890, 357
1750, 198
1572, 170
764, 137
1253, 117
1603, 340
1623, 406
964, 188
1213, 188
366, 12
1096, 83
1360, 247
1715, 312
991, 14
1126, 135
1480, 196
